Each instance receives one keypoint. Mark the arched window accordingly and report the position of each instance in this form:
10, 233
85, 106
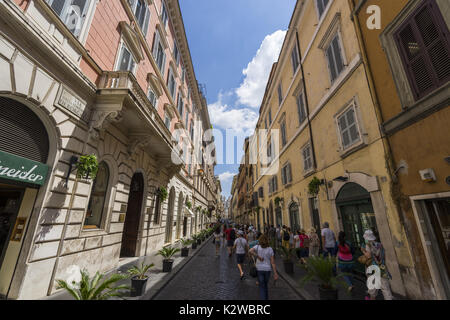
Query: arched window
97, 199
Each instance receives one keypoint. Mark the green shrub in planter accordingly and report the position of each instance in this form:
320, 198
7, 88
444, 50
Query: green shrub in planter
87, 167
139, 278
94, 288
167, 253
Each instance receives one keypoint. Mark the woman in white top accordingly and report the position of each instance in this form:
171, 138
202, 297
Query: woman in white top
265, 263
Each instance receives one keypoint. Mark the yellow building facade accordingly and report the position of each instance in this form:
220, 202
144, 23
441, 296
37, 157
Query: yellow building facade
328, 158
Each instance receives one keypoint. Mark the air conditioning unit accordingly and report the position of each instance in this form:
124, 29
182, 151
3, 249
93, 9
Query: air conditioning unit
427, 175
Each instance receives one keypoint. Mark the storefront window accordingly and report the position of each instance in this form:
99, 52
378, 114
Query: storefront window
98, 196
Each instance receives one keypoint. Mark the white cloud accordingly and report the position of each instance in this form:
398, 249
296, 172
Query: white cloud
225, 117
251, 91
226, 176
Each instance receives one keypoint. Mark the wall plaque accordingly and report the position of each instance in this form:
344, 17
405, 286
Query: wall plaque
70, 102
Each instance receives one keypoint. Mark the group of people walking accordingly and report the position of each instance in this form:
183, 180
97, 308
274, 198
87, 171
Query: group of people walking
246, 241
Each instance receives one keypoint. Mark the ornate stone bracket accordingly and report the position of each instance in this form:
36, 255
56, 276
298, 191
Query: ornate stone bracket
137, 141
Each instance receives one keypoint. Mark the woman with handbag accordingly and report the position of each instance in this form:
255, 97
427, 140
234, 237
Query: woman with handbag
374, 255
265, 263
345, 259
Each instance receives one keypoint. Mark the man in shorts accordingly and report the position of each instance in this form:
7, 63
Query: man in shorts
231, 236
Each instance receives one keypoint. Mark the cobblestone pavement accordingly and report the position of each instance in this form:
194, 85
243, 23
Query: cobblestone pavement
207, 277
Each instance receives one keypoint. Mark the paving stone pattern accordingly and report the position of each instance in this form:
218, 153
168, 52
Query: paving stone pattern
207, 277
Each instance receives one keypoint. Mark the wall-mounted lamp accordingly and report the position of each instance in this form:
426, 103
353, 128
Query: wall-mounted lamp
72, 162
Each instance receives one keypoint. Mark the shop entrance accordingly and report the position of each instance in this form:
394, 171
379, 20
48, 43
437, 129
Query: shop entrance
133, 217
357, 214
10, 199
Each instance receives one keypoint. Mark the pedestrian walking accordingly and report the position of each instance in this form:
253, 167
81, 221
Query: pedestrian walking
217, 238
241, 247
231, 236
265, 263
251, 235
328, 240
286, 237
314, 243
297, 244
224, 242
304, 246
291, 238
278, 234
345, 259
375, 255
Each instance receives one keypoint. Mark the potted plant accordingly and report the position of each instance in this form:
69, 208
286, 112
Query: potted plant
162, 192
314, 185
320, 269
287, 254
194, 241
167, 253
185, 249
277, 201
189, 204
87, 167
88, 288
139, 278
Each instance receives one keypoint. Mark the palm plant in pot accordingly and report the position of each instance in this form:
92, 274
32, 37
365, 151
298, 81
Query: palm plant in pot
95, 288
320, 269
185, 249
167, 253
194, 241
287, 254
139, 278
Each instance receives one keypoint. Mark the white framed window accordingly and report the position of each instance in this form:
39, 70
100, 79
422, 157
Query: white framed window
158, 52
187, 119
307, 158
176, 53
126, 60
73, 14
152, 97
280, 94
167, 120
141, 13
171, 83
321, 6
349, 130
335, 57
180, 104
286, 174
164, 14
283, 133
301, 108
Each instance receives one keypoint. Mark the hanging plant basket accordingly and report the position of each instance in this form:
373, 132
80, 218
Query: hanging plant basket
87, 167
162, 192
314, 185
277, 201
189, 204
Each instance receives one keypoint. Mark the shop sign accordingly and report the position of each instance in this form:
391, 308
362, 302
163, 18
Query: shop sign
21, 169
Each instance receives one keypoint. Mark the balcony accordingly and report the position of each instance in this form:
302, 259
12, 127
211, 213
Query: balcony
122, 101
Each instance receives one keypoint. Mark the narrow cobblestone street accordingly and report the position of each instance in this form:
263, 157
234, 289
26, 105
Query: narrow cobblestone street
207, 277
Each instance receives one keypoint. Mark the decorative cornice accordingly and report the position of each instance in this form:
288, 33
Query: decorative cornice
132, 40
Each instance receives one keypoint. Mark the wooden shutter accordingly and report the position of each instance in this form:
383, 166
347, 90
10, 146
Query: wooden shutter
289, 173
423, 42
22, 132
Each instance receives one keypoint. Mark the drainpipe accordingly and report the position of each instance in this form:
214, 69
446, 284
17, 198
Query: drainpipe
306, 101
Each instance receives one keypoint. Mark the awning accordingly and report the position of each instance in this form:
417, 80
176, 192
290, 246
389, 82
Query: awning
188, 213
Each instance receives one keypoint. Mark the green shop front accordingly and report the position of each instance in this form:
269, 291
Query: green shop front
24, 147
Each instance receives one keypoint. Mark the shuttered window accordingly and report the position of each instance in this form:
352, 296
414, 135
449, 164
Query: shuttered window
301, 108
423, 41
307, 158
286, 175
280, 94
283, 133
21, 131
334, 57
321, 6
295, 58
141, 12
348, 128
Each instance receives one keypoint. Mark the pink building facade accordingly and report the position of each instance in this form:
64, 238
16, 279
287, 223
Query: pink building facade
111, 78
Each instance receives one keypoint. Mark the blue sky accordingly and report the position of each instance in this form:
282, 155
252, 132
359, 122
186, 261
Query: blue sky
233, 45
